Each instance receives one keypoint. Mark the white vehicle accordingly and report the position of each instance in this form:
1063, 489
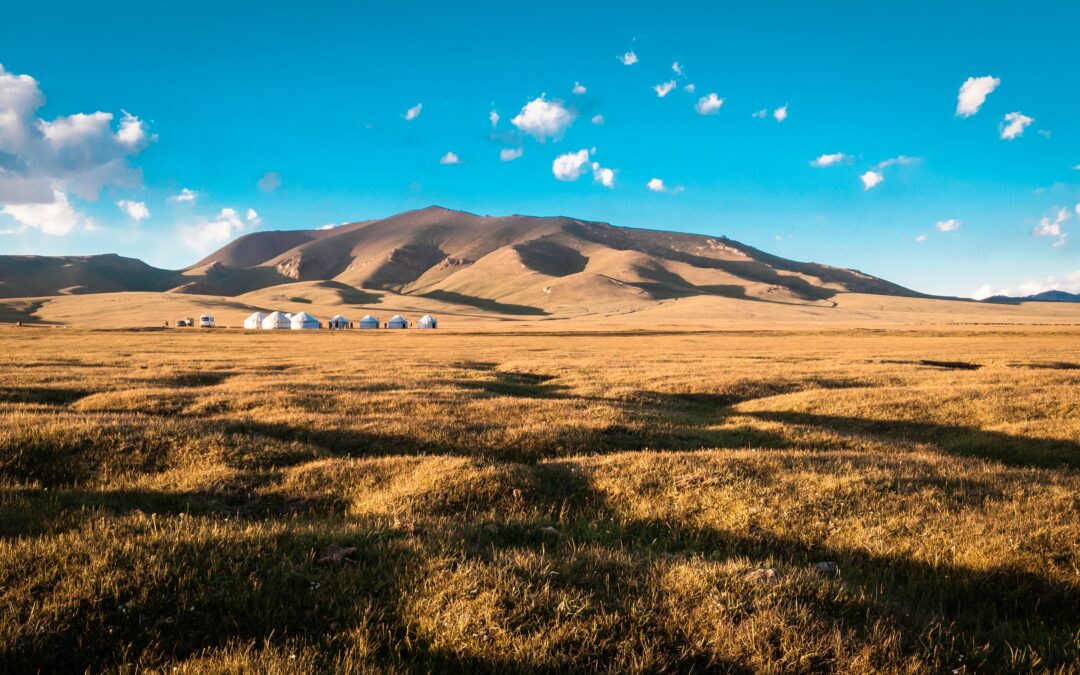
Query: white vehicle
206, 321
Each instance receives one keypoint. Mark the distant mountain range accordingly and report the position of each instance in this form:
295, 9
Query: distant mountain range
1045, 296
515, 264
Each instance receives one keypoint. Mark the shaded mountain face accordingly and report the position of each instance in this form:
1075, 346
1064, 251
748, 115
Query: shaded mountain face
1045, 296
530, 263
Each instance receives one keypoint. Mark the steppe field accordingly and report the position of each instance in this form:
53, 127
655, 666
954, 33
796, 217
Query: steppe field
822, 499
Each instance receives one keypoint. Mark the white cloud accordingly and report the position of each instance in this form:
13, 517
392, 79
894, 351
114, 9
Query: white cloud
657, 185
1014, 125
450, 158
900, 160
328, 226
579, 89
78, 153
689, 89
414, 112
973, 94
1069, 283
597, 119
950, 225
543, 119
136, 210
760, 114
185, 195
270, 181
55, 218
207, 234
709, 105
604, 176
871, 179
829, 159
510, 154
664, 88
677, 68
1050, 226
920, 239
494, 117
570, 166
628, 59
780, 114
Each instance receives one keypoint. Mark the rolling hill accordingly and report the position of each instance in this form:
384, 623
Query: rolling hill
519, 265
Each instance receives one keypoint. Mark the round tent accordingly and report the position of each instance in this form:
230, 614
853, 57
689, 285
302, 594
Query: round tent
276, 321
304, 321
369, 322
427, 321
254, 321
397, 321
338, 322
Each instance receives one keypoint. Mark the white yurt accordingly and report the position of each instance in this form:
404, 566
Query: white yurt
369, 322
338, 322
254, 321
427, 321
304, 321
276, 321
397, 321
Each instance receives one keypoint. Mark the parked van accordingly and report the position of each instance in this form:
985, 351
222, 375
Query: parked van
206, 321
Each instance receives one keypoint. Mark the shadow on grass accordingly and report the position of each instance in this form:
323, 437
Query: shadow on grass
959, 440
43, 395
484, 303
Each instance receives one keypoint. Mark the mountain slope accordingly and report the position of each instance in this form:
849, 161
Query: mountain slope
532, 264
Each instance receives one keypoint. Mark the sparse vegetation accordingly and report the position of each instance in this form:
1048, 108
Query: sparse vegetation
215, 501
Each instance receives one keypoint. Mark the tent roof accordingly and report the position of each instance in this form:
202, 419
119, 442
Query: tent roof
303, 317
257, 315
427, 317
275, 315
368, 317
338, 317
397, 317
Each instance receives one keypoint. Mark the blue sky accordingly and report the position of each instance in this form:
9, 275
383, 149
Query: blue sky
279, 117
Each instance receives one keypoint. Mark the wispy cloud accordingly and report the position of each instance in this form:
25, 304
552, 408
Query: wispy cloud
1014, 125
414, 112
510, 154
450, 158
1053, 224
664, 88
628, 59
579, 89
270, 181
135, 210
597, 119
493, 117
830, 159
973, 94
209, 233
185, 195
950, 225
677, 68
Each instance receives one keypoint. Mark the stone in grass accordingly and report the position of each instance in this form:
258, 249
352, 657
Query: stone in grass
337, 555
827, 567
550, 531
767, 575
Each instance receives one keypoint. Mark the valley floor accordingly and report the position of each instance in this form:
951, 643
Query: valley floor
858, 500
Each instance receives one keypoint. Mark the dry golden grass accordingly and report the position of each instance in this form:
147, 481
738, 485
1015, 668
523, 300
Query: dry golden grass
187, 500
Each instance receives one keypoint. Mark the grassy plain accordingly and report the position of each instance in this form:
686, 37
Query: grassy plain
197, 501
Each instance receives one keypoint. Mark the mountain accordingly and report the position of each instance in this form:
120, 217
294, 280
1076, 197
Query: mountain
513, 264
1045, 296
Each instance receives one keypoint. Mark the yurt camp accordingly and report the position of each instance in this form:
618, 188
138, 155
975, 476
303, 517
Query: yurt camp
427, 321
397, 321
369, 322
254, 321
338, 322
304, 321
276, 321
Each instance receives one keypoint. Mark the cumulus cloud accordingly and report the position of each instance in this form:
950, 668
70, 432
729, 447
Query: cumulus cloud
1014, 125
210, 233
270, 181
657, 185
450, 158
780, 114
664, 88
1051, 226
709, 105
510, 154
973, 94
80, 153
628, 59
677, 68
185, 195
570, 166
950, 225
414, 112
579, 89
871, 179
599, 119
543, 119
830, 159
1069, 283
602, 175
136, 210
55, 218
